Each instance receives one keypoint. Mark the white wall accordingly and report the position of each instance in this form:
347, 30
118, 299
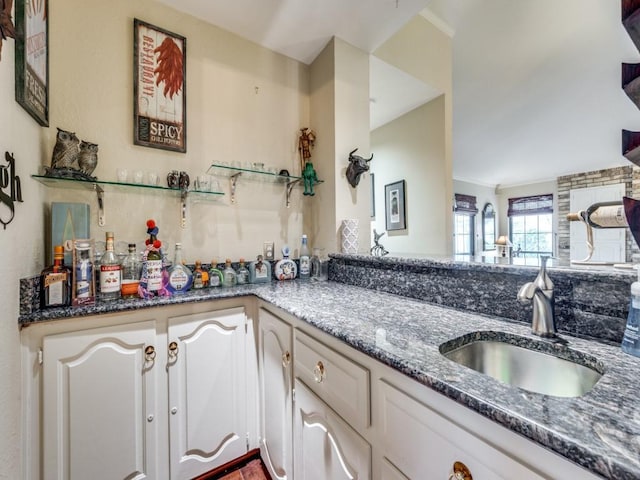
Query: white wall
22, 246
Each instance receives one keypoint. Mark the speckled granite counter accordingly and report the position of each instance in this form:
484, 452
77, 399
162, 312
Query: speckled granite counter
600, 431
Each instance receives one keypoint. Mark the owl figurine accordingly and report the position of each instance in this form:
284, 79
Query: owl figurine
88, 157
65, 152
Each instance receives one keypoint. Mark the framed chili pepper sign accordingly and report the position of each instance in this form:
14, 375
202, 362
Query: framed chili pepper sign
160, 100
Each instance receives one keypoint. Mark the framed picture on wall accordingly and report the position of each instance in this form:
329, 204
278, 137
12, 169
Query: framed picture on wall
373, 196
395, 208
32, 58
159, 88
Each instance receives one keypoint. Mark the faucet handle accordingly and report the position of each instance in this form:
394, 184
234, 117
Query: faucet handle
542, 281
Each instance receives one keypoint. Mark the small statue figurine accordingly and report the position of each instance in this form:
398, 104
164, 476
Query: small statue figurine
378, 250
310, 178
72, 158
306, 141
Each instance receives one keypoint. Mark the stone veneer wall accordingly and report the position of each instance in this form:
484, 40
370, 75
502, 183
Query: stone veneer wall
629, 175
588, 303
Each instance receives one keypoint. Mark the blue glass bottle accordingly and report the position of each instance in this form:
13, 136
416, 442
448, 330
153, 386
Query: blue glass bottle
631, 339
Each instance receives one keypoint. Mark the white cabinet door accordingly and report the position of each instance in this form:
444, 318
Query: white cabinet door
423, 444
276, 405
207, 391
99, 404
325, 446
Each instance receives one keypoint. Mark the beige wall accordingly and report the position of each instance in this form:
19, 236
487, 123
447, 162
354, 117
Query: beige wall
244, 103
91, 93
411, 148
22, 248
340, 114
433, 65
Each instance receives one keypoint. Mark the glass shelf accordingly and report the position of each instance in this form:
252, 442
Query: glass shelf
122, 186
233, 173
99, 186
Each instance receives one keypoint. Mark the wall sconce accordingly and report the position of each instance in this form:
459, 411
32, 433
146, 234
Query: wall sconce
503, 246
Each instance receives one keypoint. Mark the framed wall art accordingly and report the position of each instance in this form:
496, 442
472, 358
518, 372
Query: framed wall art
32, 58
373, 195
160, 99
394, 203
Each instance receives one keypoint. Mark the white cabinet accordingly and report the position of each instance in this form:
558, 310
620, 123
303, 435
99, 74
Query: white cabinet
276, 395
423, 444
99, 403
207, 391
326, 447
167, 397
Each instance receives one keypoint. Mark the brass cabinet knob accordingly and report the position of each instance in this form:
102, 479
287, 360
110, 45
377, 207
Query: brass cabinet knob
318, 372
286, 359
460, 472
150, 353
173, 349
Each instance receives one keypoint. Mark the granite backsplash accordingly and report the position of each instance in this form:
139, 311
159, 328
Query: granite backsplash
589, 303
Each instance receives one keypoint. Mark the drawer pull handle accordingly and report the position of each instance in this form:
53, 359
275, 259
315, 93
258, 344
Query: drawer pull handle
150, 353
460, 472
318, 372
286, 359
173, 349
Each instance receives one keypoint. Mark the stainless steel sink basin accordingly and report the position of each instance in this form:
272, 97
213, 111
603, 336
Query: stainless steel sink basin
536, 366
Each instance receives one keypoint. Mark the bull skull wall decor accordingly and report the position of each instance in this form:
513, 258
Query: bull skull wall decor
357, 166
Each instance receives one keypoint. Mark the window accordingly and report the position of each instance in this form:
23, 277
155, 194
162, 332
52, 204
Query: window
531, 225
463, 226
463, 234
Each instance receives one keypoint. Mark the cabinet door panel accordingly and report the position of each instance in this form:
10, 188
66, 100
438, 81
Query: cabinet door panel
325, 446
98, 396
207, 391
276, 408
423, 444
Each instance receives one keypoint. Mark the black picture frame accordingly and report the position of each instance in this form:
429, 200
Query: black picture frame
159, 88
395, 206
373, 195
32, 58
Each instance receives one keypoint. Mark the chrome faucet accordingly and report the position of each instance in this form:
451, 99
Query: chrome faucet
540, 293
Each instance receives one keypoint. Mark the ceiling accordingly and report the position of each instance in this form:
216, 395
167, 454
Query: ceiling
536, 93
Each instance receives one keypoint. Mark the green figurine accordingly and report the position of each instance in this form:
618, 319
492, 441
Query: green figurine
310, 178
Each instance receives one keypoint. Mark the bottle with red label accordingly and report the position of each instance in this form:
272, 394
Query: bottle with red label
110, 273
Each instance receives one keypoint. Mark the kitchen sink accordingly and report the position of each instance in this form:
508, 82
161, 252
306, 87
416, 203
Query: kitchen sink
537, 366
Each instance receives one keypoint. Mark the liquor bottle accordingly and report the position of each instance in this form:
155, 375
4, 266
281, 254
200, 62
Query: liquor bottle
215, 274
55, 282
131, 270
242, 275
228, 275
305, 260
286, 268
154, 272
200, 276
180, 277
602, 215
259, 271
84, 278
110, 278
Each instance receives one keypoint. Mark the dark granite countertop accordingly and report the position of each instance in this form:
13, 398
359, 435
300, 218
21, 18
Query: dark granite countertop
600, 430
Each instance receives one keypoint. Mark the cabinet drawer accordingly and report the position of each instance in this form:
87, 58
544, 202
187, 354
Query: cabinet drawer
423, 444
341, 383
